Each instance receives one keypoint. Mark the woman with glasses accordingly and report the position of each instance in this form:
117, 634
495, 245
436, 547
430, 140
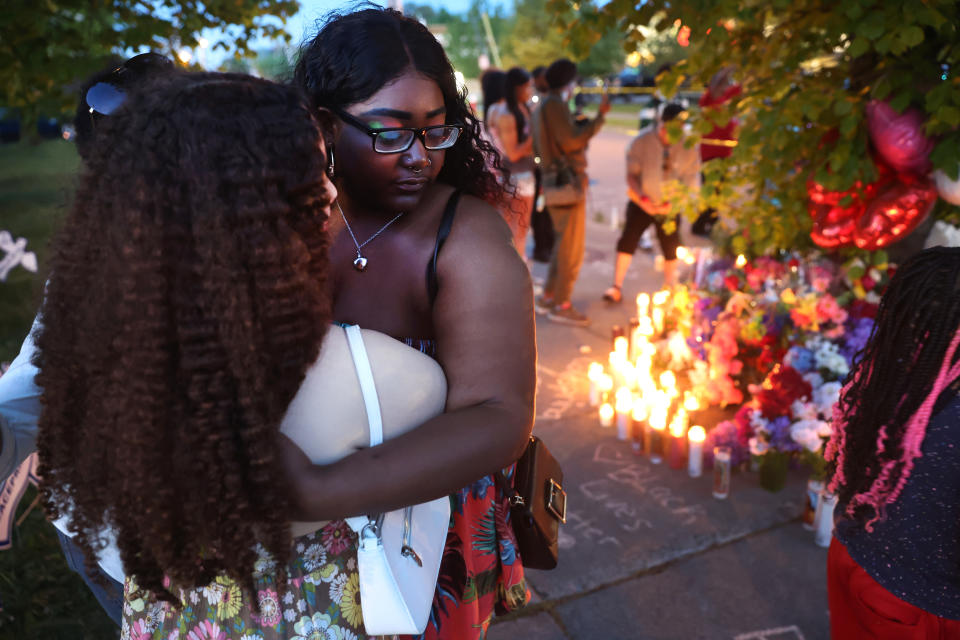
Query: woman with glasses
417, 254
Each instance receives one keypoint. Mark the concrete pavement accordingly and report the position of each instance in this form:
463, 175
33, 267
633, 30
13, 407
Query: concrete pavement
647, 552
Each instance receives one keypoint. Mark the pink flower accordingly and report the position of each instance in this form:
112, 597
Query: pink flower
336, 537
140, 631
269, 605
821, 284
207, 630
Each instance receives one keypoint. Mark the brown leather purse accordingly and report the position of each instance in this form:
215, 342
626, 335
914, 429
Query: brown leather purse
538, 505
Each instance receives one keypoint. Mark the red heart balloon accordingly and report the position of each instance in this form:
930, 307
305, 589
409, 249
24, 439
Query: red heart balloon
899, 137
894, 213
834, 225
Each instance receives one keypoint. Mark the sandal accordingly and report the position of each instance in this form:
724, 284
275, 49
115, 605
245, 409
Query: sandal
613, 294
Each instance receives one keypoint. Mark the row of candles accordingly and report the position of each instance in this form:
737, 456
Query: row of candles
653, 416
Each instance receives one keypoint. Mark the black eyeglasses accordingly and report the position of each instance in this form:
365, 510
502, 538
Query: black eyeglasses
399, 139
105, 97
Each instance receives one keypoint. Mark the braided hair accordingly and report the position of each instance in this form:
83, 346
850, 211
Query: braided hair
910, 359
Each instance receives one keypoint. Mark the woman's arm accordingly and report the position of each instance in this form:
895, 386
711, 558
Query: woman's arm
485, 334
506, 127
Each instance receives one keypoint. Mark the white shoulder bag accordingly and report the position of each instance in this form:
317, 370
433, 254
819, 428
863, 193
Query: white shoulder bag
400, 551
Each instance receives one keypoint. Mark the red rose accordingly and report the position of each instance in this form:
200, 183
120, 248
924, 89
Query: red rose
732, 283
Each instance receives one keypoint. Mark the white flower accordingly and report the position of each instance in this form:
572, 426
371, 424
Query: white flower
288, 598
806, 433
758, 447
813, 378
300, 547
301, 605
351, 564
194, 597
801, 410
825, 429
289, 615
826, 396
336, 588
314, 557
213, 592
757, 421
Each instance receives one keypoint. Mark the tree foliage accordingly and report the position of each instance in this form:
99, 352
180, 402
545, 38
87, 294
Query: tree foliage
806, 67
47, 47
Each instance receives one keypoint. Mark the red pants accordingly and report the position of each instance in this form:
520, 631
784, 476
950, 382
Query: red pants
861, 608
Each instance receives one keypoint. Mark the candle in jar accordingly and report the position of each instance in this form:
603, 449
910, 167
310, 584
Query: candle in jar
594, 372
695, 439
639, 415
621, 347
658, 427
690, 402
606, 415
624, 406
678, 439
657, 320
604, 386
721, 472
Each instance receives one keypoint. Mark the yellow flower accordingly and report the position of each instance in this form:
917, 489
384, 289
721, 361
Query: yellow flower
230, 599
788, 296
350, 604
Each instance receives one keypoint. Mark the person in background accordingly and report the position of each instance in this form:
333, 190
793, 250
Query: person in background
510, 130
892, 568
493, 86
720, 91
540, 223
560, 139
652, 161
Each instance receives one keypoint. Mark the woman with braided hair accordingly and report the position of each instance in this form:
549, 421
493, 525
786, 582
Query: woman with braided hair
894, 563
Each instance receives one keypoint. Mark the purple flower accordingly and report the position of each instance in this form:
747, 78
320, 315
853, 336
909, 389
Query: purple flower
856, 337
799, 358
726, 434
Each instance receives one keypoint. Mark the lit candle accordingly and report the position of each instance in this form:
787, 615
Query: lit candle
690, 402
695, 439
721, 472
668, 381
624, 407
678, 434
741, 261
621, 347
639, 415
604, 386
658, 425
660, 297
606, 415
658, 320
643, 305
594, 371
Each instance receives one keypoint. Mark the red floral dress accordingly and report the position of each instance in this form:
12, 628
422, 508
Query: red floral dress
481, 572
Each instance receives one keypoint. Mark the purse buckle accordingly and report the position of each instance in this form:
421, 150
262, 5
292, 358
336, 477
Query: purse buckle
557, 501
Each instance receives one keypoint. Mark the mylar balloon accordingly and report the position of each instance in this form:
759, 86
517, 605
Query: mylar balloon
894, 213
834, 224
948, 189
899, 137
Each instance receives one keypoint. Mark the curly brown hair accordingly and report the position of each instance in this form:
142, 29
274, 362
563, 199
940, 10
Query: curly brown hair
187, 299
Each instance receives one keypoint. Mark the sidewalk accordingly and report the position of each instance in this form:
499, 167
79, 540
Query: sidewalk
647, 552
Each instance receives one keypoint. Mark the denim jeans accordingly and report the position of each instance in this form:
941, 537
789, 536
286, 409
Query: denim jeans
109, 594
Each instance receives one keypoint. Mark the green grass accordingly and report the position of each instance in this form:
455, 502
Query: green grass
36, 181
41, 598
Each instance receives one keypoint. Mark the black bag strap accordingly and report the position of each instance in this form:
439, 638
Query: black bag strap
446, 223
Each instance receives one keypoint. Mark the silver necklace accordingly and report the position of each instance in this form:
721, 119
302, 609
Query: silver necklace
360, 262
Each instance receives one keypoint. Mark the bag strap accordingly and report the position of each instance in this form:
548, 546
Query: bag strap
371, 402
446, 223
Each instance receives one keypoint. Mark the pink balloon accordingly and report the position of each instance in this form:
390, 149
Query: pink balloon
899, 137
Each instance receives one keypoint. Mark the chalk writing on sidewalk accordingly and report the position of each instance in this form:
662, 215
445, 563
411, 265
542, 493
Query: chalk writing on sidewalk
780, 633
560, 391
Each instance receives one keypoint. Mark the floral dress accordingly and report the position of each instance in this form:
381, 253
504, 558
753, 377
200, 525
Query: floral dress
480, 574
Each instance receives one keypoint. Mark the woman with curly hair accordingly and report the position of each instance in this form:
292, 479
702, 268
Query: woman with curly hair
416, 253
892, 568
181, 325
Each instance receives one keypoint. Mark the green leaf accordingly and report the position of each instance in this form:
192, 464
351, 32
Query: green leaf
842, 107
911, 36
858, 47
900, 102
848, 126
872, 27
949, 114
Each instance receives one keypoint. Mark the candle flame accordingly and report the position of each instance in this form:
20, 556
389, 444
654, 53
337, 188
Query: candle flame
690, 402
697, 434
620, 346
639, 409
594, 371
624, 399
606, 411
605, 382
668, 380
661, 297
741, 261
